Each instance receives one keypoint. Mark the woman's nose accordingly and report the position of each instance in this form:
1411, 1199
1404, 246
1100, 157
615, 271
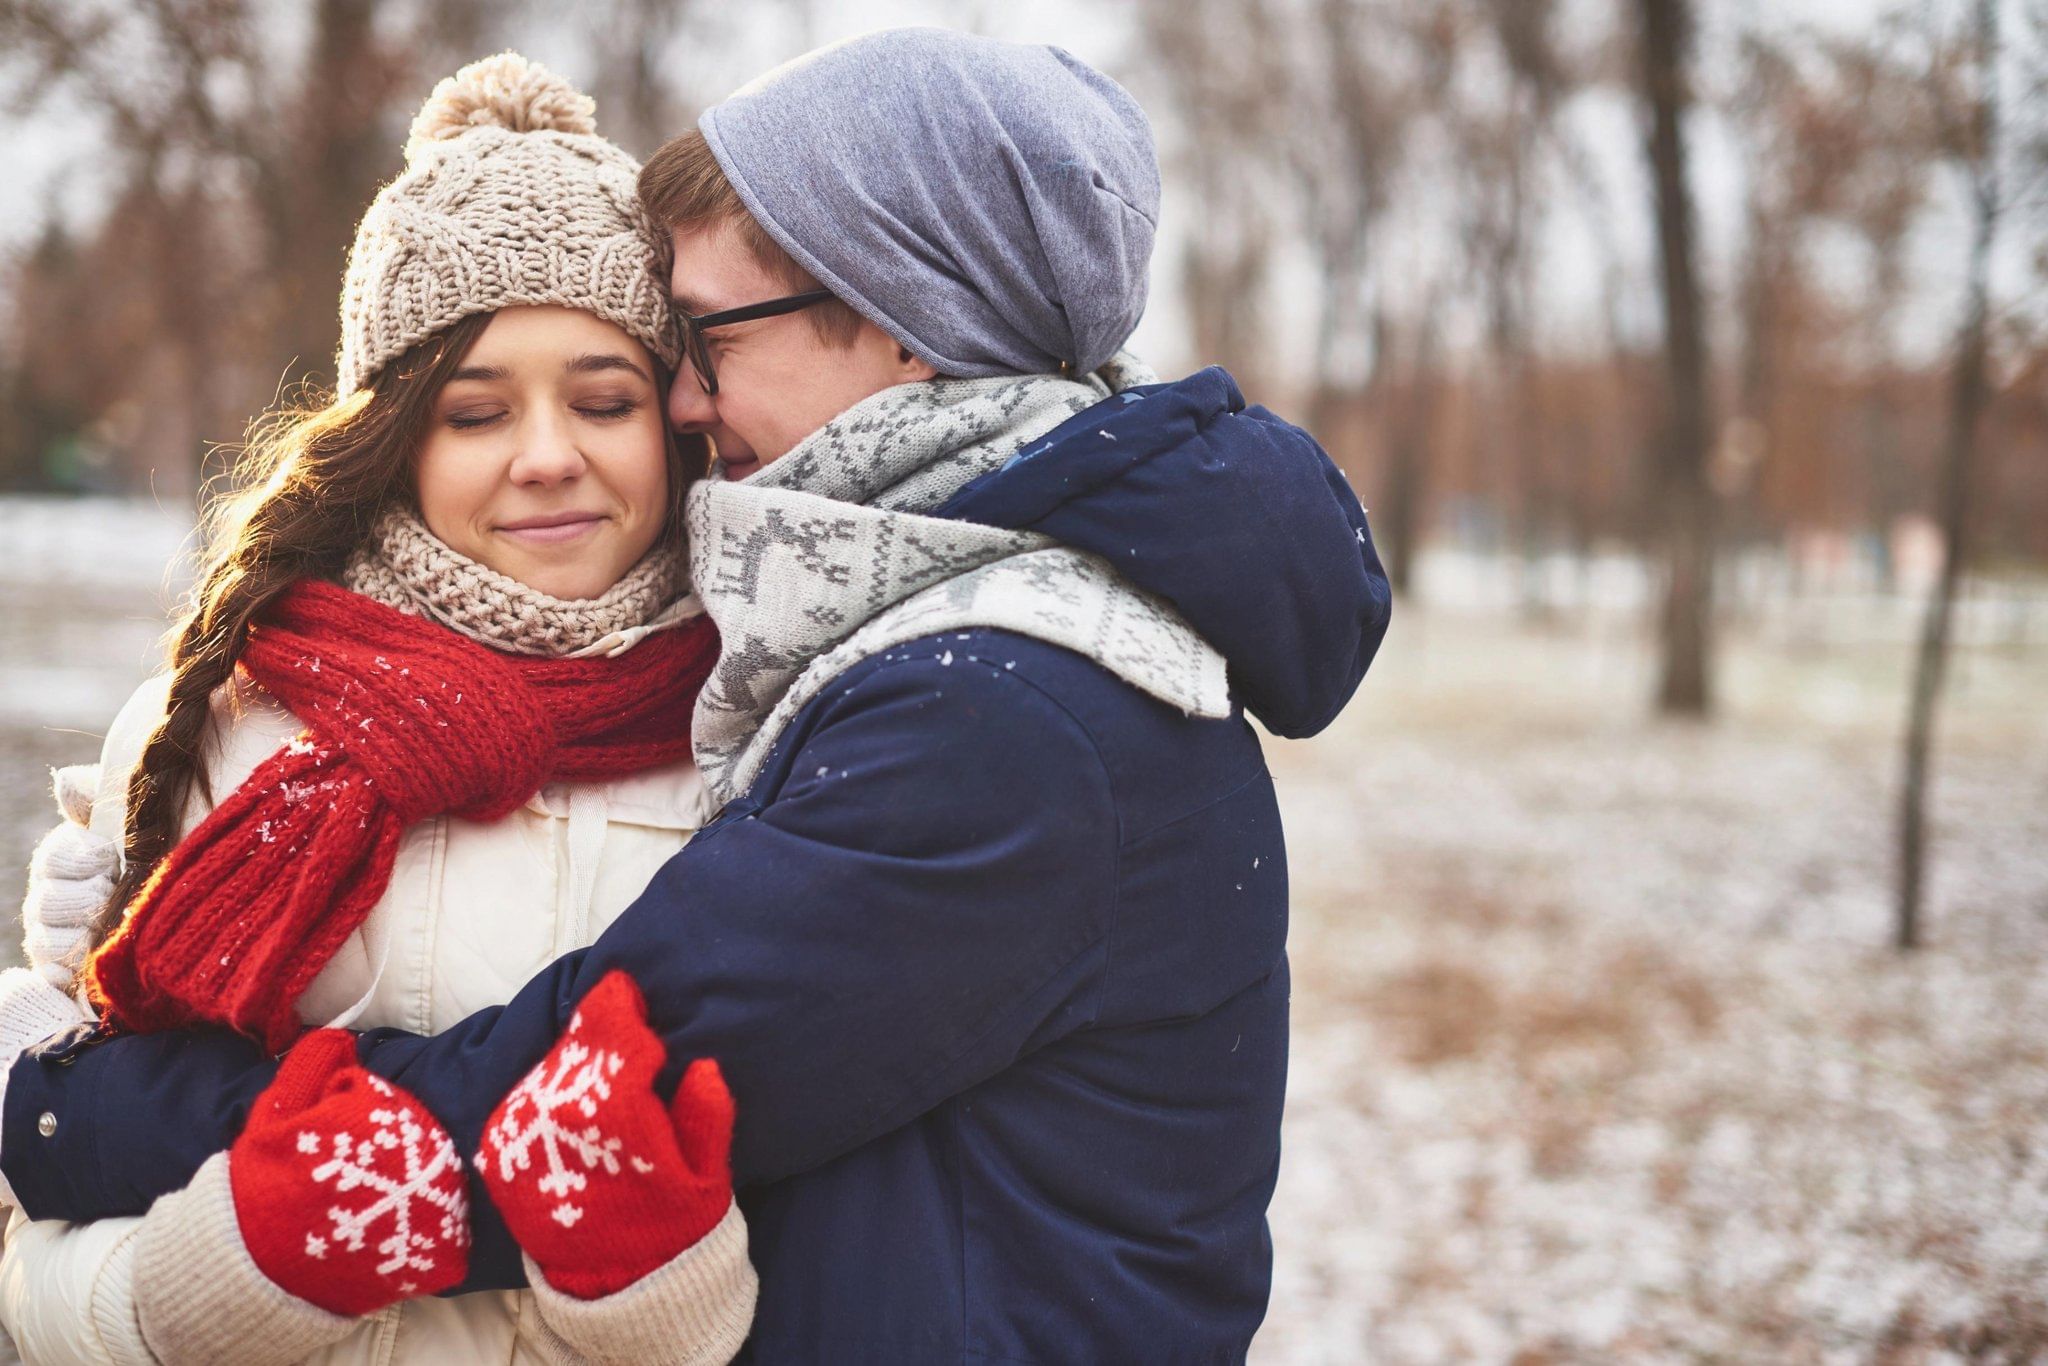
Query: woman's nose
547, 455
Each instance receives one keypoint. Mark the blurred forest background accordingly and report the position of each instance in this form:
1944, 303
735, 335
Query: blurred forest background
1692, 359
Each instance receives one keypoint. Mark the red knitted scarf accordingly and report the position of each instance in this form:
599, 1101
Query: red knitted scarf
405, 719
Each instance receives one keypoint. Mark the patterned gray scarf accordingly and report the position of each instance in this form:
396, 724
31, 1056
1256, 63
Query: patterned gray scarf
828, 556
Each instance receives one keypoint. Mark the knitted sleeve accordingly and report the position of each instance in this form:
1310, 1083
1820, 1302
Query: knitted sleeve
177, 1287
201, 1300
174, 1287
694, 1311
66, 1290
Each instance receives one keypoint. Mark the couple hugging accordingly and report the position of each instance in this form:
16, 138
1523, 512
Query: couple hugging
704, 809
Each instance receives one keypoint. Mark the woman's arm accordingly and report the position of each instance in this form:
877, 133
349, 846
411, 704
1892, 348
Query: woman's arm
172, 1288
70, 877
178, 1287
177, 1284
65, 1292
199, 1297
64, 1288
161, 1290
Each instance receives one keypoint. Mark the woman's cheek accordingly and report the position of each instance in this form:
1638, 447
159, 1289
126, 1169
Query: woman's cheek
454, 485
644, 468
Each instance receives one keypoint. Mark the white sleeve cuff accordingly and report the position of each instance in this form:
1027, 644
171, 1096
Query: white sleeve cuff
201, 1298
694, 1310
31, 1010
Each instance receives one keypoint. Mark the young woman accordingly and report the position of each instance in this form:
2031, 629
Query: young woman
425, 729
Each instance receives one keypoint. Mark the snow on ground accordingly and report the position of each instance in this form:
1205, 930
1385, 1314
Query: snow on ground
1599, 1053
85, 586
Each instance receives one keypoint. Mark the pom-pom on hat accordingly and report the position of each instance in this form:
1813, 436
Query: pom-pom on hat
508, 197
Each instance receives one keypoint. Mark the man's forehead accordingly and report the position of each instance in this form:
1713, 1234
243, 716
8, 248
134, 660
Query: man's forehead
714, 270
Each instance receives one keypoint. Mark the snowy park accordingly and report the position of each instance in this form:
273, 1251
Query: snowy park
1601, 1052
1666, 914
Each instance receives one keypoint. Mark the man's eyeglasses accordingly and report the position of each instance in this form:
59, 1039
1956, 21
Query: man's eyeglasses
699, 352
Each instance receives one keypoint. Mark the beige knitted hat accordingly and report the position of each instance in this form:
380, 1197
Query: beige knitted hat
508, 197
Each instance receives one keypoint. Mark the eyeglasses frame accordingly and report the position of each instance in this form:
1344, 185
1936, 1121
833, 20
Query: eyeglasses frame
694, 327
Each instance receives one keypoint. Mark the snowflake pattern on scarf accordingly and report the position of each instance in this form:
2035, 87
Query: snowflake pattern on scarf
828, 556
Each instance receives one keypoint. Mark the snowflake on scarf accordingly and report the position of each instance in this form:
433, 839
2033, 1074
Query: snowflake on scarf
415, 1176
555, 1107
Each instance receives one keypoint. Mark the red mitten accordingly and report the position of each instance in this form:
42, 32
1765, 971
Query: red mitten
349, 1194
599, 1183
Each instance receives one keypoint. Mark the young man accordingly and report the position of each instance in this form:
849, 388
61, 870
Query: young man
989, 938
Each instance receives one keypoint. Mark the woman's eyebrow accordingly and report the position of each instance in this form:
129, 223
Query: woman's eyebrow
594, 363
482, 372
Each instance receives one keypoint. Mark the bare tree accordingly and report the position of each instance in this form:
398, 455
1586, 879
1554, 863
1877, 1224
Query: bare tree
1837, 134
1407, 385
1685, 684
1882, 191
241, 163
642, 106
1219, 66
1974, 133
1501, 141
1343, 176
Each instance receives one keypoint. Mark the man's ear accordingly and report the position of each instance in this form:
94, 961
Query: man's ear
912, 366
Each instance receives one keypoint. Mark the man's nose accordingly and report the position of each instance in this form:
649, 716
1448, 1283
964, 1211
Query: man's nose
690, 409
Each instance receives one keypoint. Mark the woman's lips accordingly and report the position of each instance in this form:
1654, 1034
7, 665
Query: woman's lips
553, 533
739, 469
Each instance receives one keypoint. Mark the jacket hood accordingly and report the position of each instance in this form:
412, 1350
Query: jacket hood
1239, 519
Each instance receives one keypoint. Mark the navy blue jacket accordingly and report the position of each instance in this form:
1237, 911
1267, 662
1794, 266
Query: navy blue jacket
992, 955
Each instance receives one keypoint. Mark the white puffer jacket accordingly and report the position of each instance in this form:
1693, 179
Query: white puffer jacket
472, 912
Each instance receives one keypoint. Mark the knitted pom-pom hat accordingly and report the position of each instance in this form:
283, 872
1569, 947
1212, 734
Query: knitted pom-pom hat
508, 196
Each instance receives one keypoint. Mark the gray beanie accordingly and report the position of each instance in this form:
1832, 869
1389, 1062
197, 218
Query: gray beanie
990, 205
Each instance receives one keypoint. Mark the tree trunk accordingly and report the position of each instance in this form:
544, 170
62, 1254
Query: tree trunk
1685, 684
1967, 395
1410, 416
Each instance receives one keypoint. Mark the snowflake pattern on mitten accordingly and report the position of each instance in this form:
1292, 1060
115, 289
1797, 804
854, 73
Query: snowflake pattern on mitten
412, 1173
599, 1181
348, 1193
554, 1108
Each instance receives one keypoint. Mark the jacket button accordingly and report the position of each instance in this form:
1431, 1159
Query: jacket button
47, 1125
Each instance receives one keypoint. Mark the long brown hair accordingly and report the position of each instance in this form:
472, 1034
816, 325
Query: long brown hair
307, 488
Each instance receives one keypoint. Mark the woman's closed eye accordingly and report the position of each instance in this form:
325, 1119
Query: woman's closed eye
610, 410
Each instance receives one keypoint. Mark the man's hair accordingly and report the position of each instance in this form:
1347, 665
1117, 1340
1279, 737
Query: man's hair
683, 186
